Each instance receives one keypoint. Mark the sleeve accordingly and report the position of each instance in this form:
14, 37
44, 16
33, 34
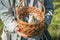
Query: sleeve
49, 11
7, 16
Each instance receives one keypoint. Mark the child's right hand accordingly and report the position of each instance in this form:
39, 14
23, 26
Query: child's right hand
19, 33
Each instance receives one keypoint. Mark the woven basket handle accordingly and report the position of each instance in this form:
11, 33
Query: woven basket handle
19, 5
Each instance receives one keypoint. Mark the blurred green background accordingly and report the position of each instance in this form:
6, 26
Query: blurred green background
54, 27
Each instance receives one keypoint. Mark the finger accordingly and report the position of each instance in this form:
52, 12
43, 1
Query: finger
21, 34
17, 29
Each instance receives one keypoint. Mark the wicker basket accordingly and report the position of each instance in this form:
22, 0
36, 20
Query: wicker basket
30, 29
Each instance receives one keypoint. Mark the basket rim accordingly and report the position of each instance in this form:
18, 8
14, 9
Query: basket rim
20, 21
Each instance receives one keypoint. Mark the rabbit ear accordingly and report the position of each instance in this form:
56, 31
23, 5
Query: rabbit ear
31, 19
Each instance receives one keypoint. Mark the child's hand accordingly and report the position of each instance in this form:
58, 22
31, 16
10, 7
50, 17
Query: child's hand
19, 33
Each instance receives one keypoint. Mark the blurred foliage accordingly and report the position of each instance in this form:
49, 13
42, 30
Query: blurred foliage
1, 28
54, 27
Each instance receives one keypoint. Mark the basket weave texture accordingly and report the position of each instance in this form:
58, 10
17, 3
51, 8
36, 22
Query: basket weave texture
29, 28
